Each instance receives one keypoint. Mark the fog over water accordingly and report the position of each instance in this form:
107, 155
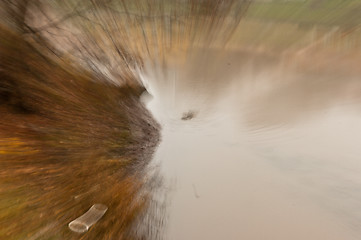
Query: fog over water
270, 153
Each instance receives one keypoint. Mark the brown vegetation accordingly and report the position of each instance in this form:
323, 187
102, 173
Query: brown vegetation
67, 141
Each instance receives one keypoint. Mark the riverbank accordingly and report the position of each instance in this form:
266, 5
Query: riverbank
70, 140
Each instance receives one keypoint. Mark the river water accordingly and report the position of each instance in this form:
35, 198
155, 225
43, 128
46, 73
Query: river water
269, 152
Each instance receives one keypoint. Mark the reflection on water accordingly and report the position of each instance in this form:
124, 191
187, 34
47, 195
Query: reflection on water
268, 155
258, 103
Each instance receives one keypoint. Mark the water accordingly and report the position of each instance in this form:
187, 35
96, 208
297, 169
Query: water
258, 102
270, 154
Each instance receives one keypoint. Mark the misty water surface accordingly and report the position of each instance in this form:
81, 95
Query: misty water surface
271, 153
258, 105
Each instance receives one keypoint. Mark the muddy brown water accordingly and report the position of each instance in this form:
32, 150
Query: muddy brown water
272, 153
